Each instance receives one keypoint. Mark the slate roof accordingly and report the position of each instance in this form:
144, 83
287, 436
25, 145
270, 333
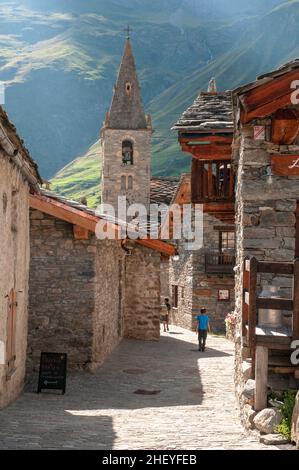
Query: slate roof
26, 161
163, 190
209, 112
268, 77
126, 111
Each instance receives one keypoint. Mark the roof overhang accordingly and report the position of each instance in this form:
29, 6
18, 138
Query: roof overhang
263, 98
89, 222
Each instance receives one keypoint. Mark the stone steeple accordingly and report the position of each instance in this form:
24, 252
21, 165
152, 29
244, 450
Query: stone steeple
126, 111
126, 141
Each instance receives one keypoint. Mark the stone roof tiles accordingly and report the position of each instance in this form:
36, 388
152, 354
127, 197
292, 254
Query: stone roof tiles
209, 112
126, 111
163, 190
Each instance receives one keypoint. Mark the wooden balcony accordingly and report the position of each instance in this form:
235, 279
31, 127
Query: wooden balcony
212, 181
219, 263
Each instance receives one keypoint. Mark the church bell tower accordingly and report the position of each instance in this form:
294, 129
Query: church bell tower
126, 140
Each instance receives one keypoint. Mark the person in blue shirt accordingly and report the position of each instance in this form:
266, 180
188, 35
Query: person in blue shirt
202, 329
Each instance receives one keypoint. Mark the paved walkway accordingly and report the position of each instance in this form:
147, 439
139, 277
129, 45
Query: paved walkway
192, 405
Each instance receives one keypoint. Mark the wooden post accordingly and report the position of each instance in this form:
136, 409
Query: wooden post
296, 301
252, 309
261, 378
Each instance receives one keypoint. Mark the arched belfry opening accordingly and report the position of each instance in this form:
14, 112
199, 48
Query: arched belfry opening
127, 153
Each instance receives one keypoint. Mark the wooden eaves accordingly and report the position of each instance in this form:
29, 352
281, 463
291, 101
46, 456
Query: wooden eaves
89, 222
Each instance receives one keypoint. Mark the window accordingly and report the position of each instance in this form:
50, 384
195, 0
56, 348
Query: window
175, 296
128, 88
123, 183
130, 182
226, 242
127, 152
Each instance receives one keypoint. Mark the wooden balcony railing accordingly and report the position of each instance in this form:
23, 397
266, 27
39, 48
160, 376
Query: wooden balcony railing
212, 181
219, 263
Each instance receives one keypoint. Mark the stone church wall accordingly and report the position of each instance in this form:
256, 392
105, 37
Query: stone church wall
14, 262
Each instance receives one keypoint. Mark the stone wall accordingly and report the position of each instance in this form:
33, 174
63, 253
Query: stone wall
142, 293
196, 288
62, 292
85, 295
108, 320
265, 219
14, 262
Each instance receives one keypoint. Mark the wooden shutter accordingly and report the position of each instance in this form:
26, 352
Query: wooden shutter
11, 329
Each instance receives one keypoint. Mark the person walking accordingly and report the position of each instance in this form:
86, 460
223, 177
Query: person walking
202, 329
165, 318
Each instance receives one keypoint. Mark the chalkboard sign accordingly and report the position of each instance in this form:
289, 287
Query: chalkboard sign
52, 372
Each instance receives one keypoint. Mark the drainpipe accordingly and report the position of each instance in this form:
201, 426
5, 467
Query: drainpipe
16, 156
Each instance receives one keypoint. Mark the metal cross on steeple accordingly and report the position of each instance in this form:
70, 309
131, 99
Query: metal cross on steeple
128, 30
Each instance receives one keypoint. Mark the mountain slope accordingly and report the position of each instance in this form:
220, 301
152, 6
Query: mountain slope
59, 59
261, 47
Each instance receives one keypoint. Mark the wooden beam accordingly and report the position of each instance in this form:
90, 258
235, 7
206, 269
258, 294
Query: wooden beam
275, 268
267, 109
275, 304
158, 245
296, 301
63, 212
269, 92
215, 139
261, 378
216, 152
252, 308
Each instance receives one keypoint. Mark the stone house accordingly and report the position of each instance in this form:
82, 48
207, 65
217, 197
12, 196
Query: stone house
205, 277
266, 156
18, 177
87, 294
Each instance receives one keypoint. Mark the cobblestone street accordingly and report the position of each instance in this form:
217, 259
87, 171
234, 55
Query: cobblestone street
191, 406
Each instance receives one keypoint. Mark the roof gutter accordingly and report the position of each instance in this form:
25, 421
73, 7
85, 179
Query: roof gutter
17, 158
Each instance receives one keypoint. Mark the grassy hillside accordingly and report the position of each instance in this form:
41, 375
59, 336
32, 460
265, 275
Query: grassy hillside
81, 177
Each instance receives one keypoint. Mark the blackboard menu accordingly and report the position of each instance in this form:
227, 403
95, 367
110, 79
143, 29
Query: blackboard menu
52, 372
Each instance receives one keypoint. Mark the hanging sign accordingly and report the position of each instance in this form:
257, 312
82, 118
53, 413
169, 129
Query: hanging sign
52, 372
285, 165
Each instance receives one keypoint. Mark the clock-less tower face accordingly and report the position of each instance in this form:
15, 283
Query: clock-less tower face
126, 141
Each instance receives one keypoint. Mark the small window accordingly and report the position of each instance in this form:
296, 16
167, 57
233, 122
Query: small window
123, 183
128, 88
175, 296
130, 182
127, 152
227, 242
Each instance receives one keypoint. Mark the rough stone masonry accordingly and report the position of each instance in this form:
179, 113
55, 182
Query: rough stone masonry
86, 295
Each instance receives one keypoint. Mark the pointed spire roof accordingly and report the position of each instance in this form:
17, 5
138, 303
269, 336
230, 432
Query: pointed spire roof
212, 88
126, 111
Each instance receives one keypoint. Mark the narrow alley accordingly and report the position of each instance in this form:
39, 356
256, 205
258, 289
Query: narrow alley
164, 396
